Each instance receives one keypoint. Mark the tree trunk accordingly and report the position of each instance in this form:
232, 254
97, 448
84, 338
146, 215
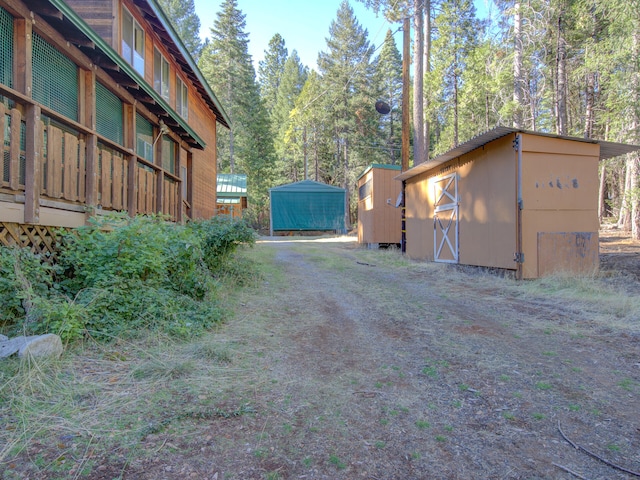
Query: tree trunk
633, 159
601, 192
624, 220
418, 83
518, 80
427, 70
561, 80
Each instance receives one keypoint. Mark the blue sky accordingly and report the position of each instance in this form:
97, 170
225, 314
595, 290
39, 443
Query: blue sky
304, 24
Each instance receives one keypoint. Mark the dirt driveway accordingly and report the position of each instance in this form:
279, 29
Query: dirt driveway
363, 365
346, 363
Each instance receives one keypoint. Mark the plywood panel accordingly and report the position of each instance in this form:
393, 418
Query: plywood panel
536, 221
558, 146
488, 205
419, 221
556, 182
567, 252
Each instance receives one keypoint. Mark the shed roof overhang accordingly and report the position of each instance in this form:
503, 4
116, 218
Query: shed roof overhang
607, 149
76, 30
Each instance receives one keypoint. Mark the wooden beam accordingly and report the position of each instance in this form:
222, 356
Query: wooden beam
33, 154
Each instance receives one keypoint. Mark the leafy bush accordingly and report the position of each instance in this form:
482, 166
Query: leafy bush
221, 236
23, 278
119, 275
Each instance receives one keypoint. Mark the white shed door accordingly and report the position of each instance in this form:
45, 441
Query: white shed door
445, 219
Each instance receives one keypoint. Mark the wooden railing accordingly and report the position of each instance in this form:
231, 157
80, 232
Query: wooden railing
64, 175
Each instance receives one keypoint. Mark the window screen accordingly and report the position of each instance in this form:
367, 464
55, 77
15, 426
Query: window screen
169, 155
55, 79
144, 138
6, 48
109, 115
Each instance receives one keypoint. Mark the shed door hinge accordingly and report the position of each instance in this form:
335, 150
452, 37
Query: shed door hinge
516, 142
518, 257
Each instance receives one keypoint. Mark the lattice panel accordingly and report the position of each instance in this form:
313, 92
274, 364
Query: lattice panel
40, 239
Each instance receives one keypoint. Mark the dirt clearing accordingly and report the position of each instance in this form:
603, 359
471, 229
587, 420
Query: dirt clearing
345, 363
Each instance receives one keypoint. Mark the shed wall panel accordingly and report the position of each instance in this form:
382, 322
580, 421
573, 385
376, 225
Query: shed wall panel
379, 221
487, 179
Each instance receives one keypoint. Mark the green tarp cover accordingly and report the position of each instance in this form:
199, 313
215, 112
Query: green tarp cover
307, 205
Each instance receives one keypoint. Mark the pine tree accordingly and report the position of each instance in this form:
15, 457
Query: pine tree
389, 79
293, 78
227, 66
185, 21
270, 70
347, 77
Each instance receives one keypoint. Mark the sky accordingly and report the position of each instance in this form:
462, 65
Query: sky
303, 24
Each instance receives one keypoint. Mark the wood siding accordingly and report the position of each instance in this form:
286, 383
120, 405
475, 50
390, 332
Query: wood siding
379, 221
100, 16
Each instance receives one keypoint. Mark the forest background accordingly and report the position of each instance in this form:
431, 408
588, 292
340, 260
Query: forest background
566, 67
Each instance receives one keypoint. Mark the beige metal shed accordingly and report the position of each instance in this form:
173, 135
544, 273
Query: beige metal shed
509, 199
379, 217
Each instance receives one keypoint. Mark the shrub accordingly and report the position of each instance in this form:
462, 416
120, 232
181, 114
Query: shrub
119, 276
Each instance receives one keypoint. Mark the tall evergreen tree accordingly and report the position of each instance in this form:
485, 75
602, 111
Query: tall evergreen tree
348, 77
270, 70
293, 79
389, 80
457, 35
185, 21
227, 66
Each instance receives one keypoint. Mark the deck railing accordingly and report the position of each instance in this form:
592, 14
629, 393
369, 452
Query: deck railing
64, 173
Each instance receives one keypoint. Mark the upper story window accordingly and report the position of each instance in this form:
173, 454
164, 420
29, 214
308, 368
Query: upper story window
182, 99
160, 75
132, 41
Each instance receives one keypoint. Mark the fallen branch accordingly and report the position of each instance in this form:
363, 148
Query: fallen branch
580, 447
364, 263
577, 475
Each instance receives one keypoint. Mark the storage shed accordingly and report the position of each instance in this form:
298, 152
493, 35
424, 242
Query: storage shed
509, 199
307, 205
231, 194
379, 218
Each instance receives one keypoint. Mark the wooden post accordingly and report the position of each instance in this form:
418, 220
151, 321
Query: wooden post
33, 175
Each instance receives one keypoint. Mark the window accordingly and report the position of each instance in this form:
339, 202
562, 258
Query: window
168, 155
109, 115
183, 177
144, 138
182, 99
54, 78
160, 75
132, 41
6, 48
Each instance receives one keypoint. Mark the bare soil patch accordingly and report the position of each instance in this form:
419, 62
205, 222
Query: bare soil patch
354, 364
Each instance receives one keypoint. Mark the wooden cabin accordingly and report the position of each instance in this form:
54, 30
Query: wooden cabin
379, 215
101, 108
509, 199
231, 194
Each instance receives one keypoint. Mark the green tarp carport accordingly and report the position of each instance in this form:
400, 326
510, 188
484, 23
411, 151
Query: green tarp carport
307, 205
